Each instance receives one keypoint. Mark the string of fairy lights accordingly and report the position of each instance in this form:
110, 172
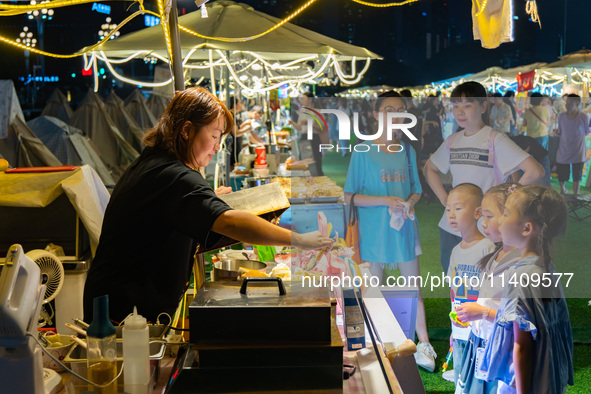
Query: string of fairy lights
273, 74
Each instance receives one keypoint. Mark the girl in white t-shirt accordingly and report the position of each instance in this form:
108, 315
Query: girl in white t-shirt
482, 312
477, 154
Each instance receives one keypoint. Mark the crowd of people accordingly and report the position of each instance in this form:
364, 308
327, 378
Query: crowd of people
500, 218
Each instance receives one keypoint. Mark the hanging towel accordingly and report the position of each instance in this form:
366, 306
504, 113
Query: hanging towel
492, 22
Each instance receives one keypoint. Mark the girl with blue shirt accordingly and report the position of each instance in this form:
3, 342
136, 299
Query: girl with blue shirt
385, 181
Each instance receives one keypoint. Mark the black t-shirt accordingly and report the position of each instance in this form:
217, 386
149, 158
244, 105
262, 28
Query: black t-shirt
158, 214
531, 146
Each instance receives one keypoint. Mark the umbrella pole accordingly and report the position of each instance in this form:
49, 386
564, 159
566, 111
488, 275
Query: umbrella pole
177, 60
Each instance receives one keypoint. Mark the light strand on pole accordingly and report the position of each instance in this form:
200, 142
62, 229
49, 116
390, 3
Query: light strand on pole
242, 39
165, 29
343, 78
129, 80
274, 86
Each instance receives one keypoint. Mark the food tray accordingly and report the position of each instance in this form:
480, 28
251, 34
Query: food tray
297, 200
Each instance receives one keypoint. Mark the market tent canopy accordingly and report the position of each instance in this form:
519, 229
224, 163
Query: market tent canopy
69, 145
236, 20
132, 132
92, 118
579, 59
136, 106
57, 106
18, 144
157, 104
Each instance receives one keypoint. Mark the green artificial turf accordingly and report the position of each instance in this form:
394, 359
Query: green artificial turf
571, 254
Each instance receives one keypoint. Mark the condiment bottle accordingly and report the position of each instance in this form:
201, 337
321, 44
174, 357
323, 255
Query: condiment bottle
101, 351
136, 354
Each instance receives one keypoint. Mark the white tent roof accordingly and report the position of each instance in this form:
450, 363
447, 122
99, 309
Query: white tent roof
18, 144
69, 145
92, 118
124, 121
57, 106
136, 106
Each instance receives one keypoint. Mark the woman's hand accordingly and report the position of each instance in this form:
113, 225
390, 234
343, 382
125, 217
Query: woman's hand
222, 190
395, 204
313, 240
470, 311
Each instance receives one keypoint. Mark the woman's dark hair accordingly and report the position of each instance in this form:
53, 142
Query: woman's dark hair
385, 95
472, 92
195, 105
496, 94
500, 193
536, 98
509, 93
545, 208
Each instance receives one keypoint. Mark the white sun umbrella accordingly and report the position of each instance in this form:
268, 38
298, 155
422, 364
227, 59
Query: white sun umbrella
311, 54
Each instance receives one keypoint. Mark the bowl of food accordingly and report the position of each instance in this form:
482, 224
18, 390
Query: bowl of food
58, 346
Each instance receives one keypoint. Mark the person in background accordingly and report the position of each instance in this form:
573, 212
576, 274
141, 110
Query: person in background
500, 114
251, 129
509, 99
385, 187
536, 120
162, 212
552, 124
239, 114
537, 151
417, 130
530, 348
573, 126
463, 212
466, 154
307, 101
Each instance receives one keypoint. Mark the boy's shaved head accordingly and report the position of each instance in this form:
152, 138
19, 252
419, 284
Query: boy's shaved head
469, 189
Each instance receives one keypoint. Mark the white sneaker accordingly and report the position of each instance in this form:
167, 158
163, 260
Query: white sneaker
425, 356
449, 375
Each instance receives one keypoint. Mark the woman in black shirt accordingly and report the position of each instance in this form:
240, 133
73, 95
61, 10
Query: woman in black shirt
162, 211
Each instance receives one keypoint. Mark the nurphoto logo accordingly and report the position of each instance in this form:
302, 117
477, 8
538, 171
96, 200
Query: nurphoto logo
344, 126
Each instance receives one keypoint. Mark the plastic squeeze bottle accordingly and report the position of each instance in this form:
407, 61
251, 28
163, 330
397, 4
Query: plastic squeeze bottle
101, 352
136, 354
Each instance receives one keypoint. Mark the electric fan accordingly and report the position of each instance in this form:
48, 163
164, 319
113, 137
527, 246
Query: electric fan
52, 276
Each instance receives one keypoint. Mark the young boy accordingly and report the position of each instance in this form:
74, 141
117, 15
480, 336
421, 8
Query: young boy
462, 212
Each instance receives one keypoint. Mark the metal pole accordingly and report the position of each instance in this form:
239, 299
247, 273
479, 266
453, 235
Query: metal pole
177, 59
227, 155
41, 32
564, 35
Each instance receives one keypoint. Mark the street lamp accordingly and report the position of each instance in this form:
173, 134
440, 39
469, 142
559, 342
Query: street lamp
26, 38
40, 17
106, 28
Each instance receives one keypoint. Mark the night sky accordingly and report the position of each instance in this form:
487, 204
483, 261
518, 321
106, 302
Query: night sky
399, 34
